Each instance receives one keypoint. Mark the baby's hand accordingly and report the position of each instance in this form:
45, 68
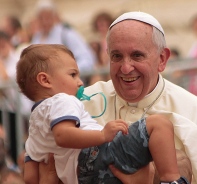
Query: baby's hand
112, 128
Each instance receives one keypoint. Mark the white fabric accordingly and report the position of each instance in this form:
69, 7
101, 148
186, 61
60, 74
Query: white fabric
41, 140
9, 93
175, 102
140, 16
10, 64
45, 4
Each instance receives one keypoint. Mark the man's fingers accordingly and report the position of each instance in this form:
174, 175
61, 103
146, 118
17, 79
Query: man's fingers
47, 172
51, 162
115, 171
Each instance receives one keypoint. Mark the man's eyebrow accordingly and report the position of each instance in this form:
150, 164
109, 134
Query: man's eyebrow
137, 51
114, 51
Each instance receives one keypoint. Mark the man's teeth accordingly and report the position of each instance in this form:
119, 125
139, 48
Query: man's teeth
131, 79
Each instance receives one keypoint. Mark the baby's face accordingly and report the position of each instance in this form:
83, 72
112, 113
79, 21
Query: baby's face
66, 78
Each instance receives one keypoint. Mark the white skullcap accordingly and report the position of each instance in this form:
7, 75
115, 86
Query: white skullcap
45, 4
140, 16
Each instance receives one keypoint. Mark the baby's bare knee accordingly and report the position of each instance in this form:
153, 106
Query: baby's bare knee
158, 121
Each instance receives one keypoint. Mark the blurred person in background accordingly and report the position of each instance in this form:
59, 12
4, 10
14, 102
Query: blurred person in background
174, 54
18, 34
8, 60
193, 50
9, 96
100, 25
6, 161
8, 57
31, 27
192, 74
13, 27
8, 174
178, 75
101, 70
54, 31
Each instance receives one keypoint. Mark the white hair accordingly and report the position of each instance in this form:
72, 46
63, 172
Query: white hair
157, 37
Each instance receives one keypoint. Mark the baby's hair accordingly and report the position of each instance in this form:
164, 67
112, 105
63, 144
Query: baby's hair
35, 59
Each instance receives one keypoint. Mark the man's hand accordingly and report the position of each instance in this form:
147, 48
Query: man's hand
144, 175
48, 173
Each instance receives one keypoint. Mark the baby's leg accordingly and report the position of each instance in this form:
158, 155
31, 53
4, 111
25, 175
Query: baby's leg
130, 152
162, 147
31, 172
184, 166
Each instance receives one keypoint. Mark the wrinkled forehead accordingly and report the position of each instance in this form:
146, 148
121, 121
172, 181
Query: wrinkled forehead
131, 25
128, 30
131, 35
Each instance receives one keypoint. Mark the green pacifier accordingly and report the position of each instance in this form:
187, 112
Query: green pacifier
82, 96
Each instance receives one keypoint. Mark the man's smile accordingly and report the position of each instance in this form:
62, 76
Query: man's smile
129, 79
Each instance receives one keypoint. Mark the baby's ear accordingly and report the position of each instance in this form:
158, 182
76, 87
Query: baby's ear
43, 79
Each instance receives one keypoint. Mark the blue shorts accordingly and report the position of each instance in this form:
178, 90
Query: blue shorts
127, 152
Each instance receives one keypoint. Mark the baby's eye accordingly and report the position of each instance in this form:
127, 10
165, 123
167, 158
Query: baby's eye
73, 74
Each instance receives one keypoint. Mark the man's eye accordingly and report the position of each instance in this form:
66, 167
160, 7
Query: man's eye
138, 56
116, 57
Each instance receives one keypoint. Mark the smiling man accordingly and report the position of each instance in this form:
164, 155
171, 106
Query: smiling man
138, 54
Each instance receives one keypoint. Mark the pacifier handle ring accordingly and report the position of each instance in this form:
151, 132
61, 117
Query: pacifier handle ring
105, 104
82, 97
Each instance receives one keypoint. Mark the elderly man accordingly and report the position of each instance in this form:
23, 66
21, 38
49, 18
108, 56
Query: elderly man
138, 54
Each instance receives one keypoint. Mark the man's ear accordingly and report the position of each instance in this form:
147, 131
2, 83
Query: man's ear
43, 79
164, 56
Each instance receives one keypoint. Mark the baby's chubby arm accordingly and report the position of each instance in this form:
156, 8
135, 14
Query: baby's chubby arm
67, 135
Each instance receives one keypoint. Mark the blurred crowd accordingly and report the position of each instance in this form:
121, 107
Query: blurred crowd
91, 56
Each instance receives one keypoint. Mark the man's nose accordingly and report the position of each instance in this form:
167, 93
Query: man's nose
127, 66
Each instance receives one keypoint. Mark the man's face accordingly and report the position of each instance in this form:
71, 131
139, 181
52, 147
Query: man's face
4, 48
135, 61
5, 25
